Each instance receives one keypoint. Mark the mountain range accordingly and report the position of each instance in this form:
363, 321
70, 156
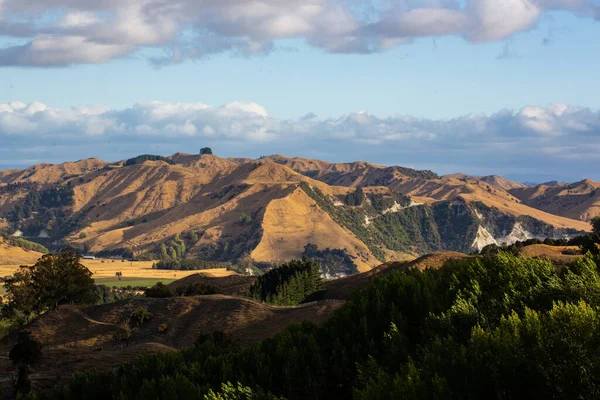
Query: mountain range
272, 208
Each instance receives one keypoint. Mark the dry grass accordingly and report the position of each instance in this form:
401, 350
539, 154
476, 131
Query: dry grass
135, 269
89, 342
11, 255
552, 253
293, 221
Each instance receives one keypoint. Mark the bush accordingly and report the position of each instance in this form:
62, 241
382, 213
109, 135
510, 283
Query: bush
27, 350
146, 157
141, 315
124, 332
163, 328
159, 290
197, 289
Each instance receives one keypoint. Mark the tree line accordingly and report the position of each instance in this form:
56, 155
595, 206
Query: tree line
288, 284
494, 327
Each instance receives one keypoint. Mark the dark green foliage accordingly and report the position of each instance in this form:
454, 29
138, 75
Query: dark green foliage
384, 202
230, 391
120, 252
146, 157
288, 284
54, 280
411, 229
23, 383
245, 219
159, 290
197, 289
24, 244
355, 198
206, 150
189, 265
108, 295
596, 226
498, 327
55, 197
27, 350
332, 262
45, 210
141, 315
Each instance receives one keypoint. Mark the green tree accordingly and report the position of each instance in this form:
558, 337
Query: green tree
54, 280
25, 353
172, 253
159, 290
229, 391
205, 150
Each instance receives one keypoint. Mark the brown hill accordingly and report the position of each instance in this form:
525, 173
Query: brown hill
560, 256
234, 285
52, 173
342, 288
423, 186
12, 255
89, 342
580, 200
501, 182
265, 208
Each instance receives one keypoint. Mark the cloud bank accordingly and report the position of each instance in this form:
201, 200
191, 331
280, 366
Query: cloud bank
64, 32
558, 141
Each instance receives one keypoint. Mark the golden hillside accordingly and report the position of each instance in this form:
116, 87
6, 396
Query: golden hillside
12, 255
580, 200
229, 208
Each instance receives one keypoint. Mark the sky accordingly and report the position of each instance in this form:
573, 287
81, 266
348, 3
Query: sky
507, 87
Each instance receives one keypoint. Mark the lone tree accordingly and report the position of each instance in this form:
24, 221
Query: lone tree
25, 353
205, 150
54, 280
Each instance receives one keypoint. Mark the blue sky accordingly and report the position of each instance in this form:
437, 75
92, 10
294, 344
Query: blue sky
434, 78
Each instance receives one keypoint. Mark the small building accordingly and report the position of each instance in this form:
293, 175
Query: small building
89, 257
43, 234
18, 233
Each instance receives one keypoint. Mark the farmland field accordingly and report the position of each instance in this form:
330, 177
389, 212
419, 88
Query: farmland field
106, 270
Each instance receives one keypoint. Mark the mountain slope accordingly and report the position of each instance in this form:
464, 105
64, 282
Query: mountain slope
13, 255
206, 207
579, 200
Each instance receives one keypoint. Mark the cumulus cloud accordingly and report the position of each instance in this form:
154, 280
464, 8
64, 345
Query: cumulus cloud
560, 138
64, 32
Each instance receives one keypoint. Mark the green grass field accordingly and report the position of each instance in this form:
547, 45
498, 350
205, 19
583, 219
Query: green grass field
124, 282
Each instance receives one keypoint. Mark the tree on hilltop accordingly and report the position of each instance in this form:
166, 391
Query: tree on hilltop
206, 150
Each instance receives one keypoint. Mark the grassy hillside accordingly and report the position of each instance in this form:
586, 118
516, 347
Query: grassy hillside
579, 200
206, 207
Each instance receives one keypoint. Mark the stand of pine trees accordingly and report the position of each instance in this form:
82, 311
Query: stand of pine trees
289, 284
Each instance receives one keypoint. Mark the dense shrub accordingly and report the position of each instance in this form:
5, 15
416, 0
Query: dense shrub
188, 265
159, 290
147, 157
288, 284
498, 327
197, 289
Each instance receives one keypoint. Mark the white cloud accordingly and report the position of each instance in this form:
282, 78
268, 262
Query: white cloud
64, 32
558, 138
